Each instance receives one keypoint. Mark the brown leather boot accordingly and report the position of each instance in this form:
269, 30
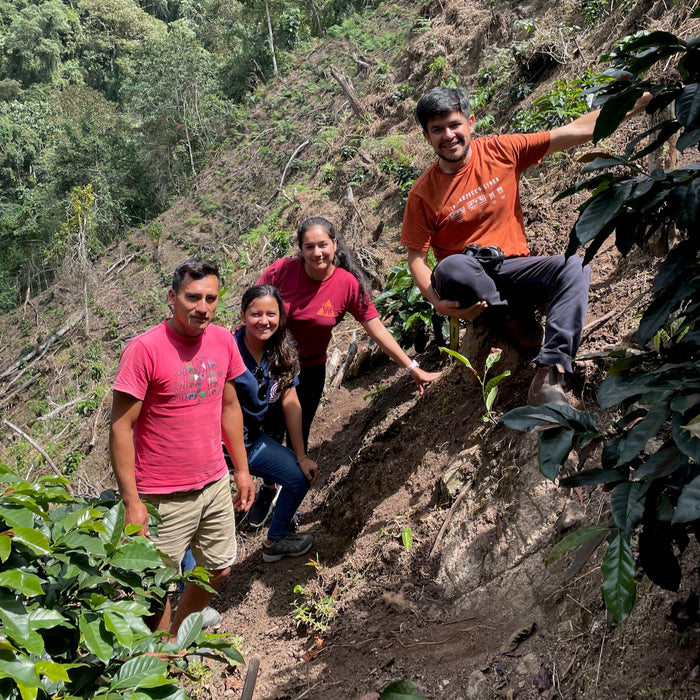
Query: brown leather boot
547, 386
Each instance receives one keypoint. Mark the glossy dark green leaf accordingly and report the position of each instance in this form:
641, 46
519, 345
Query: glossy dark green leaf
688, 106
660, 464
577, 538
634, 440
555, 446
28, 584
619, 588
688, 139
600, 210
688, 508
19, 668
688, 443
613, 112
627, 505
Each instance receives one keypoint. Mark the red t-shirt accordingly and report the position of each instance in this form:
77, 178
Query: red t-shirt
314, 308
180, 380
479, 203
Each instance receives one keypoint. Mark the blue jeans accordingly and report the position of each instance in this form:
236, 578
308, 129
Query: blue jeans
278, 464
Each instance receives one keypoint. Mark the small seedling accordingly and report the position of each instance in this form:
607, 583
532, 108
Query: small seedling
489, 389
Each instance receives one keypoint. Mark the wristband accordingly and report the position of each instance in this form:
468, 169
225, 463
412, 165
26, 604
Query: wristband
302, 459
412, 366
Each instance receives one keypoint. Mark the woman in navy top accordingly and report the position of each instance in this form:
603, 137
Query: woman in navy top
272, 368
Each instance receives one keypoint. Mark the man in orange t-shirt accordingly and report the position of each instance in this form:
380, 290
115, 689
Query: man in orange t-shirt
469, 195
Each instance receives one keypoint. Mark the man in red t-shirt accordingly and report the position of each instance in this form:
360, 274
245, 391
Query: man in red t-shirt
174, 401
469, 196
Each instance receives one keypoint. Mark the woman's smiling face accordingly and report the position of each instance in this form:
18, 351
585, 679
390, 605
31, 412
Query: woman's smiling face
261, 318
318, 251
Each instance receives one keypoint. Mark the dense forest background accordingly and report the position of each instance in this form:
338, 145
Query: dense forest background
130, 98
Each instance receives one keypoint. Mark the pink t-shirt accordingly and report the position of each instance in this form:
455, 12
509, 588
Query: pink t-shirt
314, 308
180, 380
479, 203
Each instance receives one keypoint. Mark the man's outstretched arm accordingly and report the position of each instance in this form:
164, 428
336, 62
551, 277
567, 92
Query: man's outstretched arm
581, 130
420, 271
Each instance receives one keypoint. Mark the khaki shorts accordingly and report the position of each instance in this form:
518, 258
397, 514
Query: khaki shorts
202, 520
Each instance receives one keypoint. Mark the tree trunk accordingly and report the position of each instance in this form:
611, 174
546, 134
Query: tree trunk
271, 40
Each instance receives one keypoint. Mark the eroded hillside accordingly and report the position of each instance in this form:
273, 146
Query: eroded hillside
471, 611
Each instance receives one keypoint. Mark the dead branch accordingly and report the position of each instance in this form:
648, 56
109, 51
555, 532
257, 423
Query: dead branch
58, 409
349, 90
448, 519
49, 341
8, 399
299, 149
37, 447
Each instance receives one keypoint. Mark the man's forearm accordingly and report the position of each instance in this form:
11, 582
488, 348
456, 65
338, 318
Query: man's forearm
421, 273
123, 456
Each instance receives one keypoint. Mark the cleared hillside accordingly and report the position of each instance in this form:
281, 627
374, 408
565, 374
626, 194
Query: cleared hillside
471, 611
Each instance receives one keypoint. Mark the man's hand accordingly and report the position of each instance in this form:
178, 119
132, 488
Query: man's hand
453, 309
246, 491
309, 468
137, 514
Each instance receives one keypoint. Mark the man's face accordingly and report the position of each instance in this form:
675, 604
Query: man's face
193, 305
450, 137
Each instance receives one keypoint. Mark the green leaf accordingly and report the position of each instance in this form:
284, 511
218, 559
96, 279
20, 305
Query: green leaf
120, 628
633, 442
33, 539
492, 359
688, 508
189, 630
576, 539
21, 581
96, 638
599, 211
16, 516
407, 538
619, 588
402, 690
53, 671
555, 446
627, 504
5, 547
693, 427
20, 669
139, 670
43, 618
137, 556
460, 357
688, 105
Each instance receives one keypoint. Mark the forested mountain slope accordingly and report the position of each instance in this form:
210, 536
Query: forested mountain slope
469, 610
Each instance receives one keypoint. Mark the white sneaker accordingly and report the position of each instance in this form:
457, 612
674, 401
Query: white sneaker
210, 617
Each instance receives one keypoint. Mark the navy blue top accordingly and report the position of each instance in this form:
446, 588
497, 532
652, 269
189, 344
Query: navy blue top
256, 390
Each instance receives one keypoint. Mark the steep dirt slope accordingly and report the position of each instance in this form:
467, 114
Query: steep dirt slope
471, 611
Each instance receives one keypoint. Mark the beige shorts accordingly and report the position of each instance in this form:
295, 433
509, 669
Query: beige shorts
202, 520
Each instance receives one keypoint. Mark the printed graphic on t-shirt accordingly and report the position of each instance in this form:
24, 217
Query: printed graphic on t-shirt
276, 390
198, 379
478, 199
326, 309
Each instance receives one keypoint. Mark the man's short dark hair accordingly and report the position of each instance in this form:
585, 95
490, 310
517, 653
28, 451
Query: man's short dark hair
439, 102
194, 269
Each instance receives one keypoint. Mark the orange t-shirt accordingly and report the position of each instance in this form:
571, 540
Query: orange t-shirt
480, 203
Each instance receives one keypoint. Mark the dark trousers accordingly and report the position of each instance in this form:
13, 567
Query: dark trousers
557, 283
309, 390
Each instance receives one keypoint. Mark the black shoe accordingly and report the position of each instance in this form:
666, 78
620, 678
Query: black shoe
291, 545
263, 506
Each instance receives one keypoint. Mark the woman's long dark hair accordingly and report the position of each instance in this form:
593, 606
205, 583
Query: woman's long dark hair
280, 353
343, 257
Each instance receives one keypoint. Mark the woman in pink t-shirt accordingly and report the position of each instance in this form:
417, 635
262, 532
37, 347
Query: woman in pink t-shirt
318, 288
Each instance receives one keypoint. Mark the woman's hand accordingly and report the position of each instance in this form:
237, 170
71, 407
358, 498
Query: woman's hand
420, 377
309, 468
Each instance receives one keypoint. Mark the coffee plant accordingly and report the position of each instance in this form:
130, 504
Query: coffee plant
75, 588
649, 455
